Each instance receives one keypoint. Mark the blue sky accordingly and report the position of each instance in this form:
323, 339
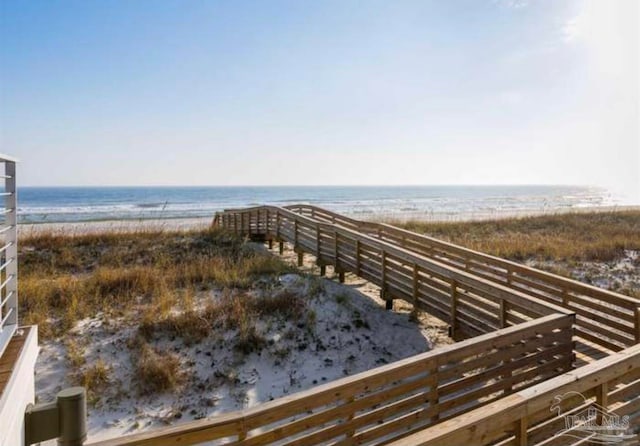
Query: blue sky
331, 92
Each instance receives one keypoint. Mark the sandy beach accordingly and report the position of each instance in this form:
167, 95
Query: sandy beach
133, 225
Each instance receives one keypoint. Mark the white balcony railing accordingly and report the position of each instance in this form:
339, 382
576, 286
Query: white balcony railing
8, 252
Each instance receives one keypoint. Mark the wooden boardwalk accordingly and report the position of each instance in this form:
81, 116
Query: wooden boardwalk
606, 322
523, 332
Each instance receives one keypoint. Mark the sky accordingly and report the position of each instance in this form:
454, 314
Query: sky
157, 92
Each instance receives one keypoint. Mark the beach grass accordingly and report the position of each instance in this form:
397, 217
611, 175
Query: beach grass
64, 278
596, 236
153, 278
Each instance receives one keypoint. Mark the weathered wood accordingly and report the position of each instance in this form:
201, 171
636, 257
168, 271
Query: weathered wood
371, 405
479, 294
487, 424
542, 285
453, 318
637, 324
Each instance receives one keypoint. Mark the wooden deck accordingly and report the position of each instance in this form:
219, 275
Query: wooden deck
10, 356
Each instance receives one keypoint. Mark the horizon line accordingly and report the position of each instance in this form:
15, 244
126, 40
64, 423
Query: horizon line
308, 185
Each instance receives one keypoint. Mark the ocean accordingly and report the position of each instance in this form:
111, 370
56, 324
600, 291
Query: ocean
73, 204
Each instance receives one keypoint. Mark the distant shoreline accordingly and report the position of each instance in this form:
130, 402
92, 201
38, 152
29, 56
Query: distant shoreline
188, 223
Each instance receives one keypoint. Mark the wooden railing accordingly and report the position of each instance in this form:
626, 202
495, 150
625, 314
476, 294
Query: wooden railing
471, 305
539, 414
392, 401
609, 320
497, 387
8, 253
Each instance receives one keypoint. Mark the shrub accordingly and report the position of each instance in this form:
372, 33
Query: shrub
156, 370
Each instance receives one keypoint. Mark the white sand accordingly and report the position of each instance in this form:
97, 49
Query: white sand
337, 347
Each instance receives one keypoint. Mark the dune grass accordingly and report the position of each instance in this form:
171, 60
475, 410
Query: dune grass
64, 278
597, 236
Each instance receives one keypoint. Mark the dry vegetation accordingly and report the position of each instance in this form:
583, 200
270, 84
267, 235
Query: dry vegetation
598, 236
231, 311
64, 278
144, 277
208, 290
600, 248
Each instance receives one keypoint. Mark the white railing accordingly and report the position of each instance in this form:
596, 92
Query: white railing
8, 252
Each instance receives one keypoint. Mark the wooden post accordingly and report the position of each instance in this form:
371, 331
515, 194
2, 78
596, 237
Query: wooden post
266, 230
503, 313
637, 325
295, 233
433, 392
383, 259
281, 247
383, 291
454, 308
503, 323
415, 285
565, 297
242, 435
602, 399
335, 248
300, 258
323, 270
270, 243
258, 225
357, 257
341, 276
317, 241
350, 417
278, 225
254, 228
521, 431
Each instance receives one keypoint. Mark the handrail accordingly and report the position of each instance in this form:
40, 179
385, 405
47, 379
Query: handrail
598, 310
432, 266
611, 384
498, 260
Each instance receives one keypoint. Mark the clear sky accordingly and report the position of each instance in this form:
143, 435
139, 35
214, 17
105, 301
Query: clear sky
328, 92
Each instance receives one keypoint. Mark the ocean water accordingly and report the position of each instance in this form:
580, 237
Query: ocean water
67, 204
